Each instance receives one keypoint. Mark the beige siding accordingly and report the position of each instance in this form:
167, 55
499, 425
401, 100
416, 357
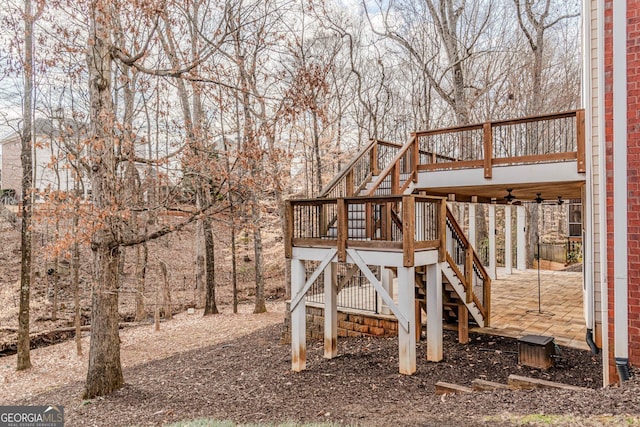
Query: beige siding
596, 161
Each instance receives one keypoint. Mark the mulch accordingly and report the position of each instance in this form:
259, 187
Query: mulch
249, 380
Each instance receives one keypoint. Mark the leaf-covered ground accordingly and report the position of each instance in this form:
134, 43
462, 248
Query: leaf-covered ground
248, 380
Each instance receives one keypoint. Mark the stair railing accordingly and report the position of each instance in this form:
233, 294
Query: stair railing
401, 171
359, 171
466, 265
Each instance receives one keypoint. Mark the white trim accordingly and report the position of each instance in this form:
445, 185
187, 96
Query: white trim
492, 242
521, 240
434, 313
508, 241
541, 173
620, 262
357, 259
587, 204
300, 295
602, 200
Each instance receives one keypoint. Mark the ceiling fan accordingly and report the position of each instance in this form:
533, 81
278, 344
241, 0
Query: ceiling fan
538, 199
509, 197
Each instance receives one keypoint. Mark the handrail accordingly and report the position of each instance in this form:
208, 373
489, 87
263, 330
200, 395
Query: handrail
466, 277
346, 169
483, 144
345, 172
394, 163
527, 119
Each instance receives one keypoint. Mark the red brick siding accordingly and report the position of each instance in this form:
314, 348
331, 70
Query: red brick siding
633, 181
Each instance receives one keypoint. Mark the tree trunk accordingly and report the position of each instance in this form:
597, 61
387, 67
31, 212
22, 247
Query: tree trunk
76, 289
104, 374
105, 370
209, 250
260, 306
142, 256
24, 356
166, 292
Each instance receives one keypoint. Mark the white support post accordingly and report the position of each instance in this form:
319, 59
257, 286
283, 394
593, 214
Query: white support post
472, 225
386, 278
492, 242
330, 311
521, 253
434, 313
508, 245
406, 304
298, 319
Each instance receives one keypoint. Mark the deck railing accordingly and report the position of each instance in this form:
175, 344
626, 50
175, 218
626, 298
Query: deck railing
402, 223
551, 137
467, 266
358, 172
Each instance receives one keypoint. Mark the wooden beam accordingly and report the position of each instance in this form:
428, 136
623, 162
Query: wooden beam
349, 184
463, 323
374, 159
520, 382
484, 385
442, 231
443, 387
468, 271
488, 150
580, 134
415, 158
408, 229
288, 230
343, 230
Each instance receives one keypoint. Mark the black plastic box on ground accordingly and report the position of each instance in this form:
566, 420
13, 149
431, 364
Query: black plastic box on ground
536, 351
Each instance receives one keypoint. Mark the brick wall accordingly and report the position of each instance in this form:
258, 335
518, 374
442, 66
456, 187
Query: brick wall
633, 181
352, 323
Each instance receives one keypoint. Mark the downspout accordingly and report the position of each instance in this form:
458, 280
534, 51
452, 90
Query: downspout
587, 202
602, 194
620, 291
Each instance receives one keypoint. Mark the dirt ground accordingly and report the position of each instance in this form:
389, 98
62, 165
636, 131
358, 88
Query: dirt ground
233, 367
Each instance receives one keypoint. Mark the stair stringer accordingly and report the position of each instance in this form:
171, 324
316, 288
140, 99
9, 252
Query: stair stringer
456, 284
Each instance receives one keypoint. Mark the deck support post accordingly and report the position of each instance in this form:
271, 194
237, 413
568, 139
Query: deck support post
434, 313
492, 242
406, 304
330, 311
298, 319
386, 278
521, 253
472, 225
508, 241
